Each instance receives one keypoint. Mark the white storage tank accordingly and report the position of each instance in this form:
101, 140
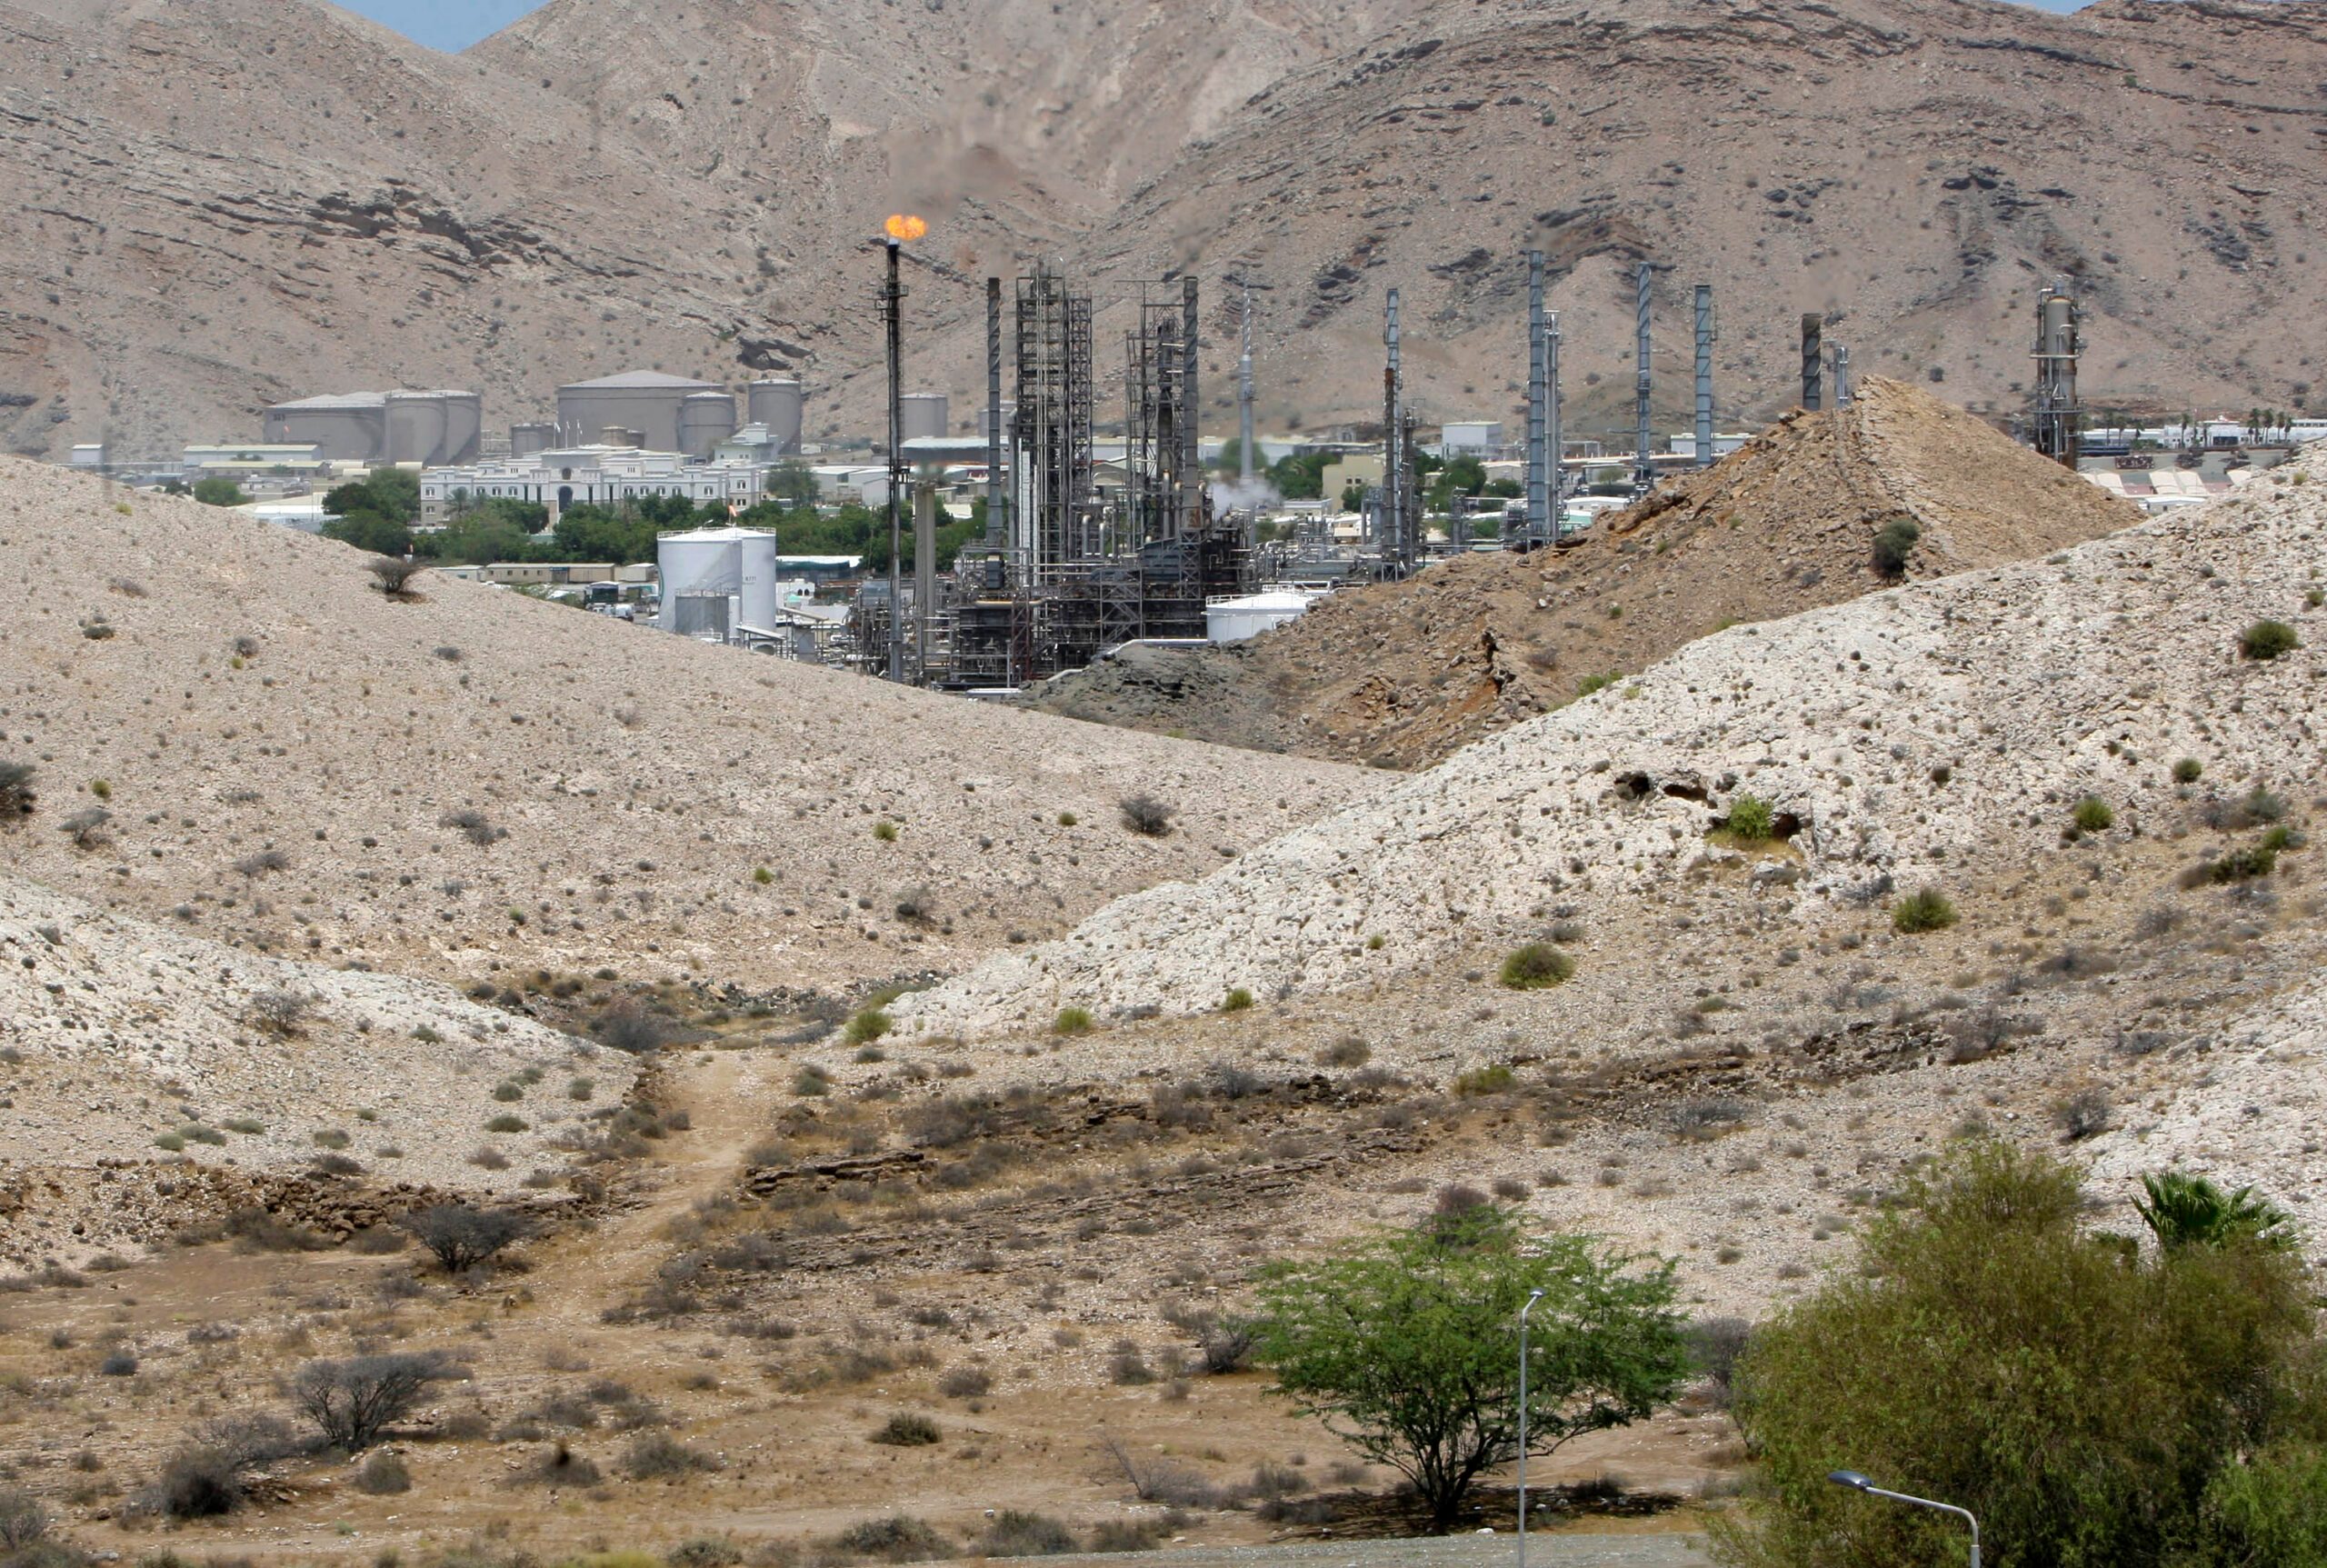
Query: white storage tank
923, 415
1235, 620
738, 562
706, 419
781, 405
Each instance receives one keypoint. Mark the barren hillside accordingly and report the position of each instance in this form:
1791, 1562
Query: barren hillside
1402, 675
260, 749
204, 227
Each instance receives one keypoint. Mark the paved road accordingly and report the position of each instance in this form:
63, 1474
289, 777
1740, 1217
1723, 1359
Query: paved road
1558, 1550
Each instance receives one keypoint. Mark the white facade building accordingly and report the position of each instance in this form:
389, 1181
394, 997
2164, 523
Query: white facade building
596, 475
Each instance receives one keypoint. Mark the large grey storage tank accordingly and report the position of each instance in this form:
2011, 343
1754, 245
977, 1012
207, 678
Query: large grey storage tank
463, 426
417, 427
924, 415
706, 419
780, 404
646, 401
525, 440
349, 428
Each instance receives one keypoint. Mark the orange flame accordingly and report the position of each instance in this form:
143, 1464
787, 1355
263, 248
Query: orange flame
905, 226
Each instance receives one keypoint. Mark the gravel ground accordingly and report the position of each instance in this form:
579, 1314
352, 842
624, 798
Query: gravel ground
1555, 1550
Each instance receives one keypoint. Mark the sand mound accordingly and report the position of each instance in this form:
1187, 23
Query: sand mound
1938, 735
1405, 674
284, 760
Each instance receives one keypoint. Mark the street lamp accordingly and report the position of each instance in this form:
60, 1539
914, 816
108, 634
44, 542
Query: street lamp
1533, 1297
1857, 1483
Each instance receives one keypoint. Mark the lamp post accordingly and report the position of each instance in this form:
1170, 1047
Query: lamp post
1857, 1483
1533, 1297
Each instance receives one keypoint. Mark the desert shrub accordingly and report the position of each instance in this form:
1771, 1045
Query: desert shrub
2083, 1115
907, 1429
899, 1538
118, 1364
382, 1475
1128, 1534
1928, 910
559, 1465
205, 1476
282, 1013
1751, 818
2247, 862
1537, 966
1127, 1366
350, 1402
392, 575
886, 831
658, 1457
1496, 1078
1072, 1021
505, 1122
473, 825
868, 1025
1894, 545
1017, 1534
917, 905
17, 794
1351, 1052
2266, 1509
1700, 1120
630, 1027
86, 828
705, 1551
2092, 815
23, 1522
965, 1383
1715, 1345
461, 1237
1591, 684
1225, 1347
2266, 640
261, 862
2189, 770
2081, 1398
1146, 815
1237, 1001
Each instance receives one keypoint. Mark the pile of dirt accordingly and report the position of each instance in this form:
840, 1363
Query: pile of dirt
234, 734
1402, 675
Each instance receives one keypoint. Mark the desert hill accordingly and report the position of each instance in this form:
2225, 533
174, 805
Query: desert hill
259, 749
1937, 735
202, 231
1402, 675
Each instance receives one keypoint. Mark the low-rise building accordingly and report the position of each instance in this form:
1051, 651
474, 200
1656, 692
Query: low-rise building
594, 475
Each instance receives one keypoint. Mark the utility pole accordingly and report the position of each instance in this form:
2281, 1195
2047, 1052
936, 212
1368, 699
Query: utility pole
892, 297
1539, 500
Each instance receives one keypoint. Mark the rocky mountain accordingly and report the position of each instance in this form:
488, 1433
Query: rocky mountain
207, 223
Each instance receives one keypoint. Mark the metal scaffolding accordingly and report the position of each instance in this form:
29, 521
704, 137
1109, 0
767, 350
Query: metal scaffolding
1057, 519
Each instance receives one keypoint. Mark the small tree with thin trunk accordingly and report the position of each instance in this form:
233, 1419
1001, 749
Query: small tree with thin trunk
463, 1237
394, 573
353, 1401
1407, 1345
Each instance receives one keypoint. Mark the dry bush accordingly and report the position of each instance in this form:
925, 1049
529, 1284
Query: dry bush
282, 1013
382, 1475
461, 1237
659, 1457
1146, 815
352, 1402
2083, 1115
1017, 1534
557, 1466
630, 1025
206, 1476
965, 1383
896, 1539
393, 575
23, 1522
907, 1429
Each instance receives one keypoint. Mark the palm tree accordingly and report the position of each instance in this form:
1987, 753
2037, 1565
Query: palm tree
2184, 1211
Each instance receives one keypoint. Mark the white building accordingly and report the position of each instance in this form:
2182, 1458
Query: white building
596, 475
1724, 442
1473, 437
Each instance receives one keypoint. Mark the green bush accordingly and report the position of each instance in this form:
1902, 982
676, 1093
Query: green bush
2271, 1509
2189, 770
899, 1538
1072, 1021
2092, 815
2266, 640
1237, 1001
1751, 818
1489, 1080
907, 1429
1591, 684
1017, 1534
1538, 966
505, 1123
17, 795
2086, 1400
1928, 910
868, 1025
1894, 545
886, 832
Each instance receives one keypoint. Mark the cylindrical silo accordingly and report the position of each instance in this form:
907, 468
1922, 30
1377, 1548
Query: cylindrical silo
779, 403
525, 440
701, 561
756, 576
923, 416
463, 426
706, 419
415, 427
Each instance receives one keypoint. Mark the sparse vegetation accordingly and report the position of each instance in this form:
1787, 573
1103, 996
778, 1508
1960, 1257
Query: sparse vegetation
2189, 770
352, 1402
886, 831
867, 1024
1017, 1534
1237, 1001
1927, 910
1751, 819
907, 1429
1072, 1021
382, 1475
461, 1237
1146, 815
392, 575
896, 1539
17, 794
2093, 814
1538, 966
1496, 1078
653, 1455
2266, 640
1894, 545
473, 825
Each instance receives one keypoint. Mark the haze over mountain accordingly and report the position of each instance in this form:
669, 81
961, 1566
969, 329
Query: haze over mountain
204, 227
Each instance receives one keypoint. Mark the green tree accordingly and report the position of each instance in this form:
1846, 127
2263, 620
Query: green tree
592, 532
2077, 1396
215, 492
1407, 1345
396, 492
1301, 476
370, 530
479, 537
1353, 496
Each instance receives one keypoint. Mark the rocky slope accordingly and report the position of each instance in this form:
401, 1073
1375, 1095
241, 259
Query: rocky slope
1402, 675
202, 228
150, 1076
1936, 735
233, 733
